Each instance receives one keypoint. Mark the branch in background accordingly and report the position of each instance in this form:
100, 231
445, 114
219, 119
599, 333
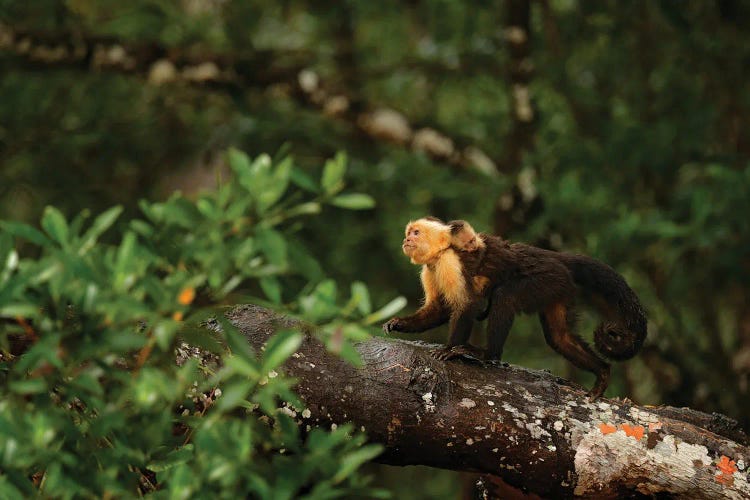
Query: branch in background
285, 73
530, 429
522, 203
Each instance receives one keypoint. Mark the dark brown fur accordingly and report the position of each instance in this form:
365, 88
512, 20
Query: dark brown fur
518, 278
527, 279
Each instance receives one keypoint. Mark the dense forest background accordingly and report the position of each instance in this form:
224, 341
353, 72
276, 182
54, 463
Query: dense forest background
615, 129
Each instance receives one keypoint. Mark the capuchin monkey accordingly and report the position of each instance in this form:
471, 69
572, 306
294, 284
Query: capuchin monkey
461, 269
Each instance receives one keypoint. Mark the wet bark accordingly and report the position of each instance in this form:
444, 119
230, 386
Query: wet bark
531, 429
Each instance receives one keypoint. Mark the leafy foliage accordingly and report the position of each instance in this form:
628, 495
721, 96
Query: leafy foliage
96, 405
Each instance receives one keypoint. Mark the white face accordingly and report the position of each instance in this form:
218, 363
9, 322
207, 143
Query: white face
412, 239
425, 239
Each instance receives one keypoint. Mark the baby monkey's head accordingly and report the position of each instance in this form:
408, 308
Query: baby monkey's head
463, 236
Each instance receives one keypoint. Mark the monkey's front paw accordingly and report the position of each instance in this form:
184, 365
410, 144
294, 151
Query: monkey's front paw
442, 353
467, 352
392, 325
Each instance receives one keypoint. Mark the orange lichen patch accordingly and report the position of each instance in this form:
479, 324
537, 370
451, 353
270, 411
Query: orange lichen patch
635, 431
726, 466
654, 426
177, 316
607, 428
186, 296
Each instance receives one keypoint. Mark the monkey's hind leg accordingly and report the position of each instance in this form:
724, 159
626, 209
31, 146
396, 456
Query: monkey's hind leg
556, 325
501, 315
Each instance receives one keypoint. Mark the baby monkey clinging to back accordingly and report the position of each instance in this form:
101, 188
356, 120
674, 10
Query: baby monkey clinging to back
461, 268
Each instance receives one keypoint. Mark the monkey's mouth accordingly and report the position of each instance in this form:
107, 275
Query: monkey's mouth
408, 247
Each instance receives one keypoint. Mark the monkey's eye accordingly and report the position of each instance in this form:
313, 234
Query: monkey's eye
416, 232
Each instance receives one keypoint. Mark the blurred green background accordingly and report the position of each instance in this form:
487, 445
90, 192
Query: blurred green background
615, 129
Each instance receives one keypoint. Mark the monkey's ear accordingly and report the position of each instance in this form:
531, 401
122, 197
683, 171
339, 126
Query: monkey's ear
444, 239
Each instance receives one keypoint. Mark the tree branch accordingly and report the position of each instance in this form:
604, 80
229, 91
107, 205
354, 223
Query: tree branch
286, 73
519, 206
533, 430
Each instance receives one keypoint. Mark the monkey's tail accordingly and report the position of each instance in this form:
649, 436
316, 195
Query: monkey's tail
623, 331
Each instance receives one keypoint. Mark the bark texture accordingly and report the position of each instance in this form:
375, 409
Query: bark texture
533, 430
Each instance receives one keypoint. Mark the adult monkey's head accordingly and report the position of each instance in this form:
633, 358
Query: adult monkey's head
426, 239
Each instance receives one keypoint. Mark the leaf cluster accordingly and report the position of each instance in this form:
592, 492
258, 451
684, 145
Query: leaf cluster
94, 405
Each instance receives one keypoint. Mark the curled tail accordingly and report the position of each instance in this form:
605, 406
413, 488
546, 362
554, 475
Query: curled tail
621, 334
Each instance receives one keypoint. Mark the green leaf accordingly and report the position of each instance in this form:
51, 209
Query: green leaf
238, 162
181, 212
303, 262
273, 245
386, 311
199, 336
238, 344
10, 263
230, 285
301, 179
353, 201
175, 457
277, 186
352, 461
29, 386
233, 395
261, 165
349, 354
125, 263
272, 288
259, 486
242, 366
326, 290
142, 227
125, 341
181, 481
309, 208
207, 207
332, 180
323, 442
164, 332
361, 297
54, 224
87, 383
257, 179
6, 246
356, 332
26, 232
103, 222
8, 490
22, 310
279, 347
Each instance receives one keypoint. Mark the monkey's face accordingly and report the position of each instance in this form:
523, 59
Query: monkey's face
425, 240
464, 237
465, 240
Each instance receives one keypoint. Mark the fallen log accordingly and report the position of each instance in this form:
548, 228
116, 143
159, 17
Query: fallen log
533, 430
